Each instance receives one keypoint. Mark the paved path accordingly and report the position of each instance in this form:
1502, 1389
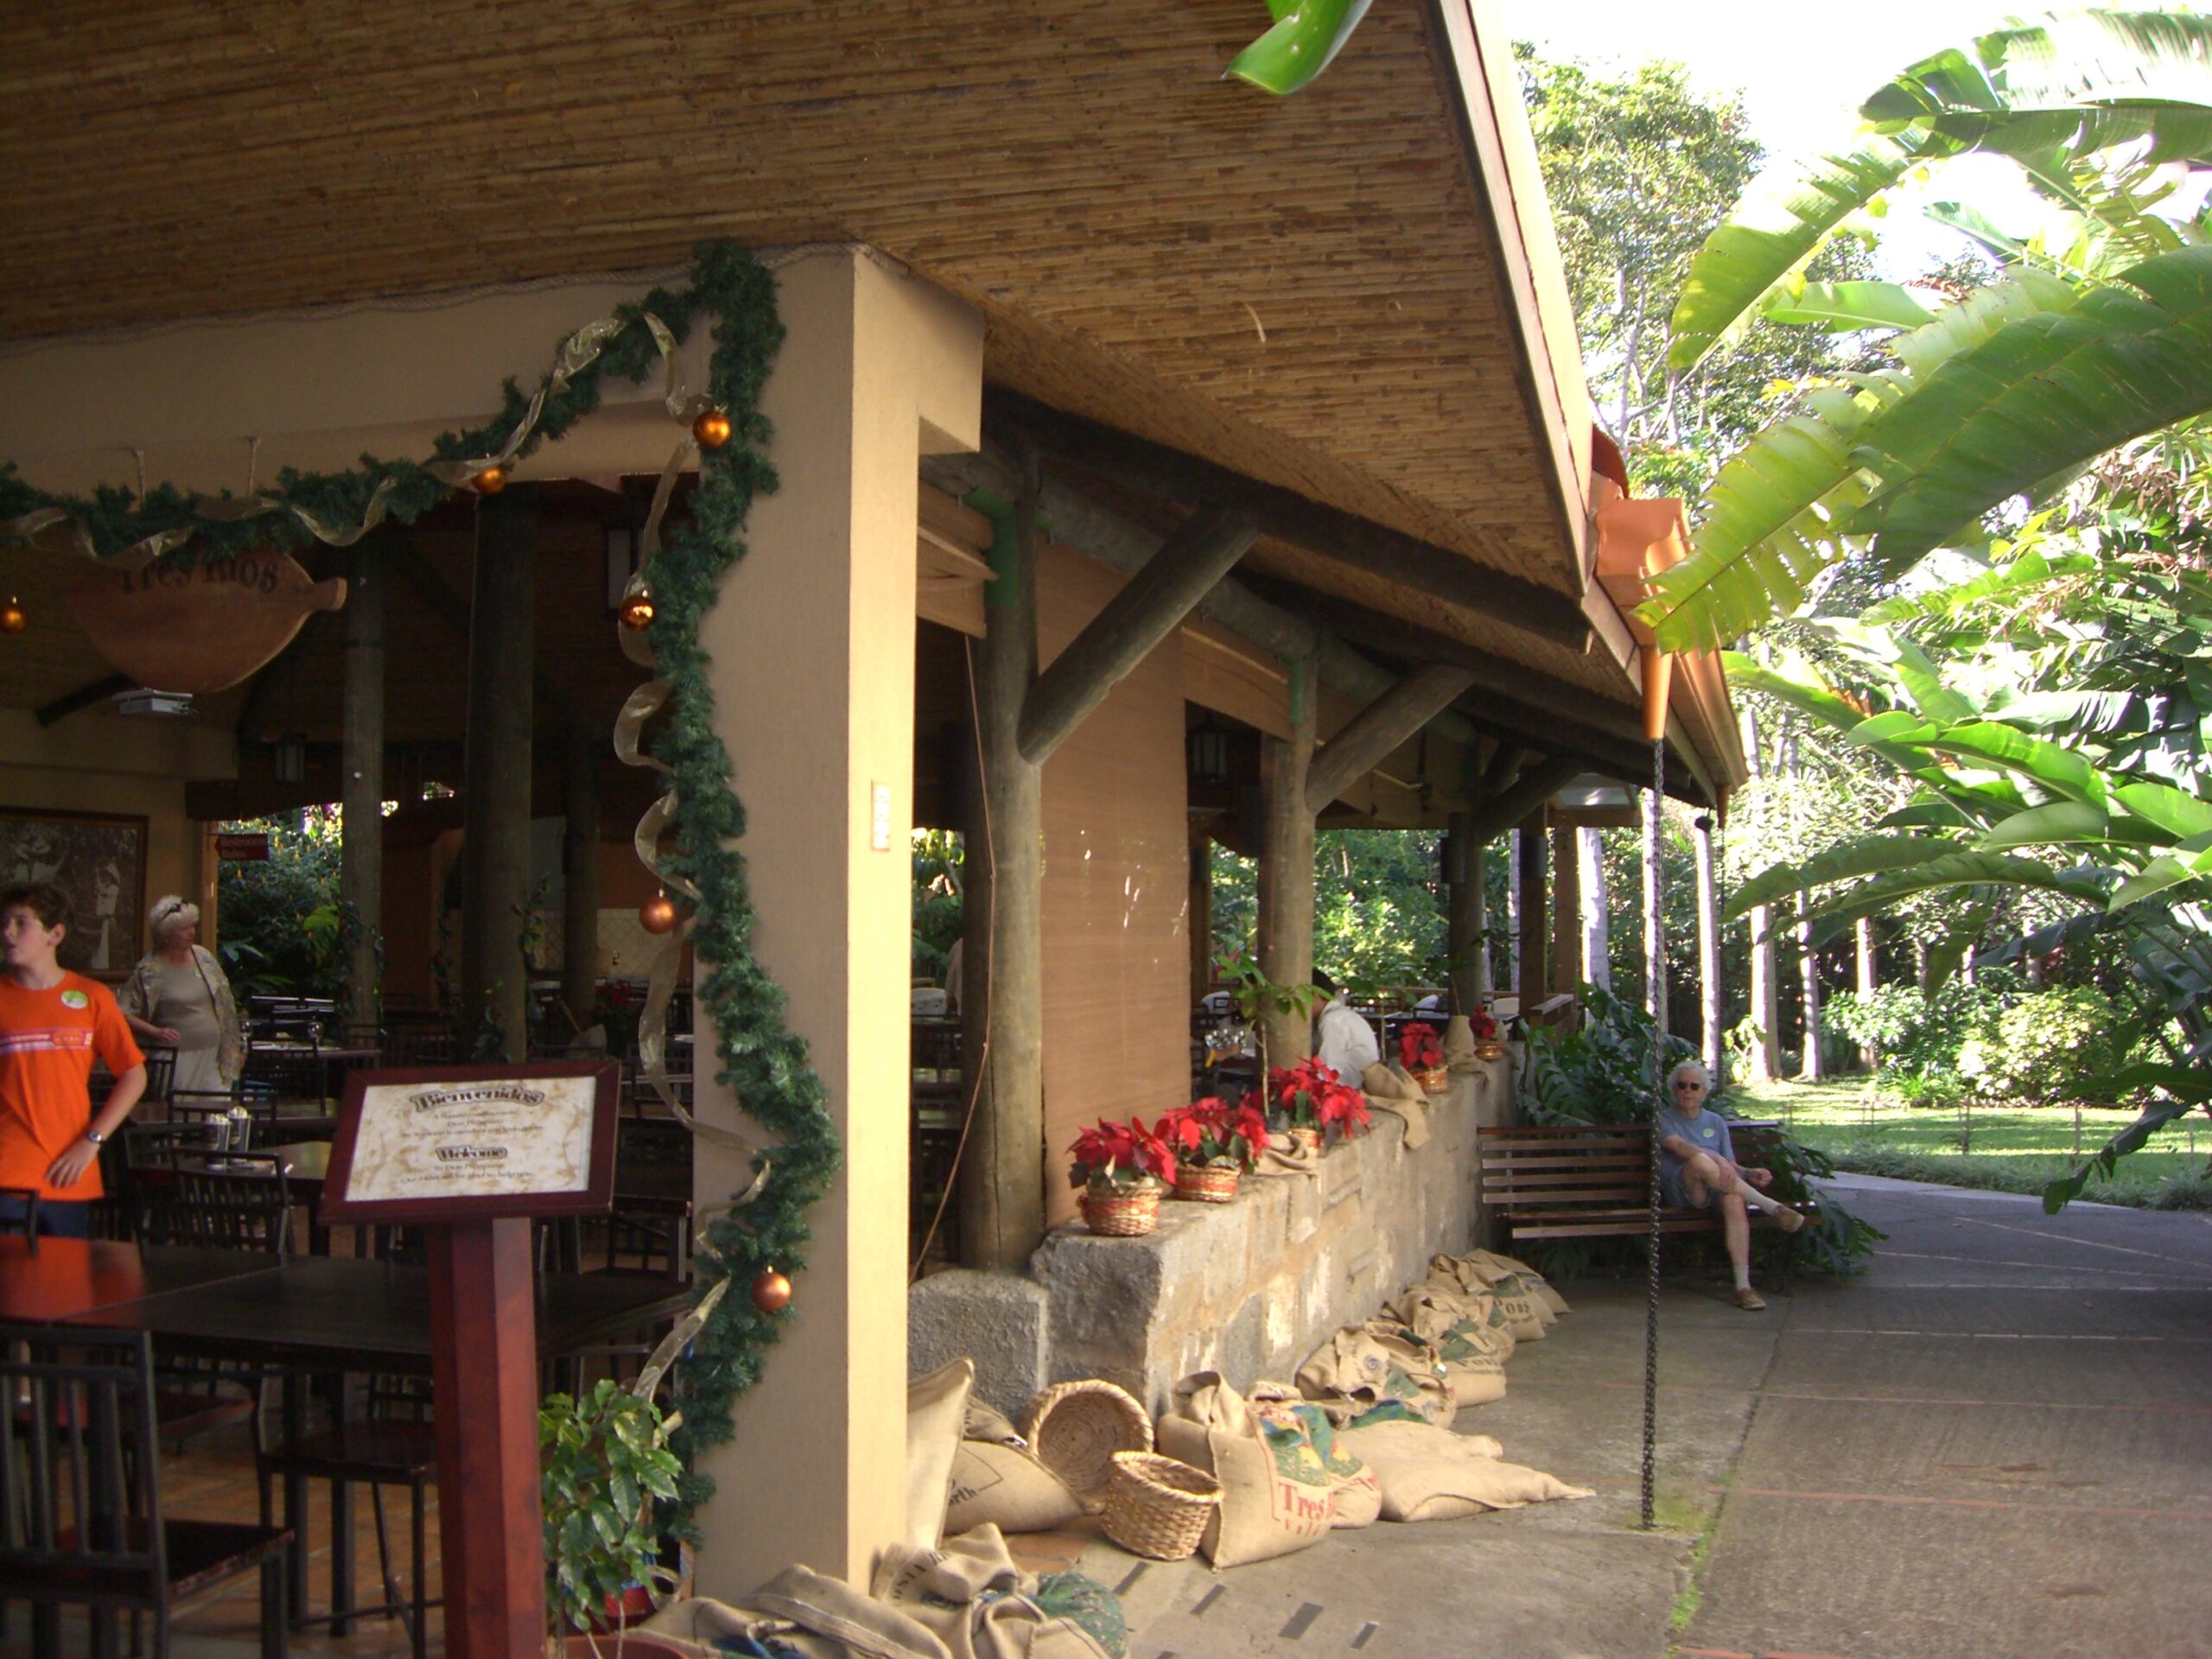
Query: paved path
1998, 1442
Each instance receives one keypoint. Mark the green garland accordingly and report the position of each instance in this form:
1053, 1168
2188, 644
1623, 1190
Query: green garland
762, 1060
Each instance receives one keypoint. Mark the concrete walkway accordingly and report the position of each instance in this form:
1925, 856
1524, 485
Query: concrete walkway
1986, 1446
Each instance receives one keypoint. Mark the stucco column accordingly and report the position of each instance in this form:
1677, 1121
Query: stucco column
812, 655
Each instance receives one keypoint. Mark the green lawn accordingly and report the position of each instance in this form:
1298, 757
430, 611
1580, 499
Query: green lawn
2012, 1150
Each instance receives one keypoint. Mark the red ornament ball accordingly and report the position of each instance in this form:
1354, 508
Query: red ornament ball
636, 612
490, 481
772, 1291
658, 914
711, 429
14, 619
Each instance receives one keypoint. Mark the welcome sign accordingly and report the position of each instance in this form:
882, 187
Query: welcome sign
448, 1141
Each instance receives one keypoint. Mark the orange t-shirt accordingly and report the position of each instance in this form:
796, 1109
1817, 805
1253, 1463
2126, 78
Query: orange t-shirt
47, 1039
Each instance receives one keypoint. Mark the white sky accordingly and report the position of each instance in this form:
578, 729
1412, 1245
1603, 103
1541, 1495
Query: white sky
1801, 82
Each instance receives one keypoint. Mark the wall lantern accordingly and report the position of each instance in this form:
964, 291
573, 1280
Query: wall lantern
1209, 753
291, 759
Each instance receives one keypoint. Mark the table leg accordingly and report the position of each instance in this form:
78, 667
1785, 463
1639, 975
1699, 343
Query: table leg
342, 1556
296, 1490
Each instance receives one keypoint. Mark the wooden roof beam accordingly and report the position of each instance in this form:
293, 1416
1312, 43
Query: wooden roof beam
1536, 786
1143, 611
1154, 469
1367, 738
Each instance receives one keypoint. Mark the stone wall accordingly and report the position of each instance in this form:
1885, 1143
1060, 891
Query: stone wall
1248, 1288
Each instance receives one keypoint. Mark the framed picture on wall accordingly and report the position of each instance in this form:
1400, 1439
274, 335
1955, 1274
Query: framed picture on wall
98, 859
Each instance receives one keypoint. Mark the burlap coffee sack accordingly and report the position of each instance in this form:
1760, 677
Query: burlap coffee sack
1362, 1371
1281, 1157
1274, 1488
936, 1413
1390, 1088
1546, 1296
998, 1481
1477, 1307
1460, 1043
975, 1601
1513, 1298
1431, 1474
1352, 1487
1474, 1350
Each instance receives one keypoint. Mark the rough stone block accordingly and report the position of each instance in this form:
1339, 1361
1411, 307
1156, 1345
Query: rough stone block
1305, 1199
1001, 1320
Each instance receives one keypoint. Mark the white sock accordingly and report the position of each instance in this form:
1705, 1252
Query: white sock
1756, 1198
1744, 1276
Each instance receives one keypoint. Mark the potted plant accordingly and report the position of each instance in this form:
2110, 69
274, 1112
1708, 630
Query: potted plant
1487, 1046
1421, 1053
1214, 1143
604, 1463
1121, 1169
1256, 996
1312, 1101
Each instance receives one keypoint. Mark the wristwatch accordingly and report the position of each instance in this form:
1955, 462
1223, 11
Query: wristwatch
95, 1137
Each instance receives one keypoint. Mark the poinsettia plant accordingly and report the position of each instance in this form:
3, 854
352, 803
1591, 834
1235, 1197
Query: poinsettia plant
1483, 1025
1214, 1134
1309, 1095
1418, 1049
1120, 1155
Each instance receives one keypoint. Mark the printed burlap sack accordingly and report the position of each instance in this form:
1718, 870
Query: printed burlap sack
1473, 1351
1515, 1299
1352, 1486
997, 1481
972, 1598
1546, 1296
1274, 1486
1378, 1371
1431, 1474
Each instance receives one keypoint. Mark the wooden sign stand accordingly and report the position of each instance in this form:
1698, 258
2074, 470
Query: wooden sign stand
454, 1150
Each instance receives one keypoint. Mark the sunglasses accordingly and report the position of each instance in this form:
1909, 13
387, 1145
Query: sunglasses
1687, 1087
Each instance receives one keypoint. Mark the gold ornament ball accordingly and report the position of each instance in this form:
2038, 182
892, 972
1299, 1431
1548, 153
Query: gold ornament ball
658, 914
14, 619
636, 612
490, 481
711, 429
772, 1291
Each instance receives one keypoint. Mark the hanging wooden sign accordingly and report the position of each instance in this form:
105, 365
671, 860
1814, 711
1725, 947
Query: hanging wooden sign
242, 849
199, 628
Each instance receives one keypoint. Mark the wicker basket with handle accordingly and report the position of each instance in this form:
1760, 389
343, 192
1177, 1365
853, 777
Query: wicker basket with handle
1075, 1429
1157, 1506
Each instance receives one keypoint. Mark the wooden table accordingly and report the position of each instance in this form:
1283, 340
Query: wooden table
49, 1279
321, 1314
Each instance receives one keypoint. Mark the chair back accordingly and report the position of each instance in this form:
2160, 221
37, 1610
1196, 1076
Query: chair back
233, 1203
161, 1070
81, 1501
19, 1211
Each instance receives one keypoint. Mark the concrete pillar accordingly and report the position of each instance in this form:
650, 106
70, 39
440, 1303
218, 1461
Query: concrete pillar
812, 655
495, 803
1285, 884
580, 763
1002, 968
360, 870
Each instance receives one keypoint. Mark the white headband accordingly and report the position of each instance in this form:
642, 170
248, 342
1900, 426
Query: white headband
170, 909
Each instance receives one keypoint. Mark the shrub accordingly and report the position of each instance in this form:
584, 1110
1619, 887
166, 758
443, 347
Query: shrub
2050, 1046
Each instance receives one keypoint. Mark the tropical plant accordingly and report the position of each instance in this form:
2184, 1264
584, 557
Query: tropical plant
1310, 1097
1418, 1048
279, 917
2015, 387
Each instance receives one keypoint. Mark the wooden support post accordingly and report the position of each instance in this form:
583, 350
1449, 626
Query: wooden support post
495, 804
360, 871
1144, 611
1535, 785
1531, 981
1463, 917
579, 872
211, 885
1368, 736
1285, 884
1566, 913
1002, 967
484, 1342
1711, 993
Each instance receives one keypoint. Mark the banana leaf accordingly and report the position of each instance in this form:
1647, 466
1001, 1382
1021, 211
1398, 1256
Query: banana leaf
1306, 39
1866, 855
2176, 811
2071, 823
2186, 1088
2060, 771
2045, 392
1845, 307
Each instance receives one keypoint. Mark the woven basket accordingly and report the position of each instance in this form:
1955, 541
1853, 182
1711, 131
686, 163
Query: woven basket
1491, 1050
1076, 1428
1128, 1211
1435, 1081
1206, 1184
1158, 1507
1304, 1137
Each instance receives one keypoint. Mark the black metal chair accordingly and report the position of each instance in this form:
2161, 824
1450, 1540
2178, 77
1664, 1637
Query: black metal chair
233, 1201
80, 1500
19, 1211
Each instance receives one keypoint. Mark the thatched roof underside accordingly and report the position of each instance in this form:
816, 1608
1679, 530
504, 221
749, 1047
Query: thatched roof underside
1307, 290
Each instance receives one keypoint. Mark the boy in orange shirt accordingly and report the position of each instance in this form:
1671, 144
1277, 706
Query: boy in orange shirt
52, 1024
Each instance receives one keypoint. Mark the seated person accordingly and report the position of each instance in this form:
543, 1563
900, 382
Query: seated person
1343, 1040
1698, 1171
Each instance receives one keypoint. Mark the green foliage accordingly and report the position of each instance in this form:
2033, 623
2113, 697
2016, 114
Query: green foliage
1920, 1034
1306, 39
277, 921
939, 891
604, 1462
1601, 1073
1378, 907
2054, 1045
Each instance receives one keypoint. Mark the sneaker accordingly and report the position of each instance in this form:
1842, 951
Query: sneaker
1750, 1301
1789, 1220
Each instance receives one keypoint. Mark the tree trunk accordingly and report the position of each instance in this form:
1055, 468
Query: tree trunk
1567, 913
361, 879
1597, 914
1809, 1069
1766, 959
1528, 867
1712, 994
1286, 893
1511, 977
1463, 918
1870, 1054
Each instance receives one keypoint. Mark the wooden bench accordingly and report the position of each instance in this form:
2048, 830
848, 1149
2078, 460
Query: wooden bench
1594, 1181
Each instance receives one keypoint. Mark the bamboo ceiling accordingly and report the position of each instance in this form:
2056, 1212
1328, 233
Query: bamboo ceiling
1306, 290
